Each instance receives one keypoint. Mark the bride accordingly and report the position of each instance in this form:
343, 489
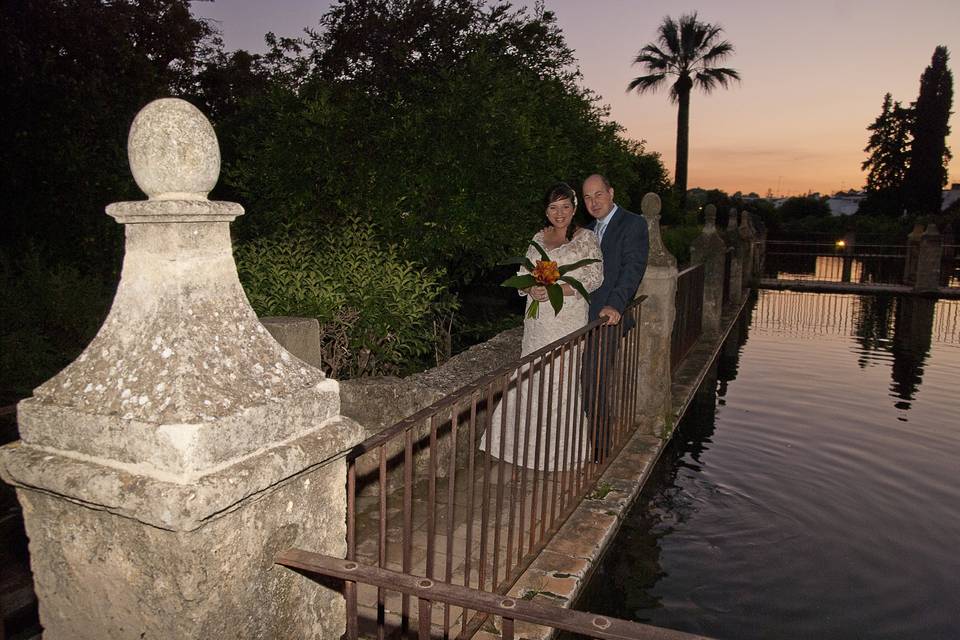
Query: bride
565, 243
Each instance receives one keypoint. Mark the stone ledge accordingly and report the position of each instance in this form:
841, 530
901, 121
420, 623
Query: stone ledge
131, 495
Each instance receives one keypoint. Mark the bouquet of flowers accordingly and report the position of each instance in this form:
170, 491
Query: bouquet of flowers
546, 273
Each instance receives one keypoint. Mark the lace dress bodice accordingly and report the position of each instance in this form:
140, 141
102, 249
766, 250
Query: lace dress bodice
548, 327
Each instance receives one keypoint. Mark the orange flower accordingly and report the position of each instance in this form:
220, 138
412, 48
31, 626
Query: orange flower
546, 272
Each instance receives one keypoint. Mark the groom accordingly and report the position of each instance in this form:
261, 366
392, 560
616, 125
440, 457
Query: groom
624, 242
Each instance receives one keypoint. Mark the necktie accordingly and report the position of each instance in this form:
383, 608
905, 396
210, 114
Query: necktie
601, 227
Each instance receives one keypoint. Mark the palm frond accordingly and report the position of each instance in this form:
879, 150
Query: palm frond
686, 48
651, 82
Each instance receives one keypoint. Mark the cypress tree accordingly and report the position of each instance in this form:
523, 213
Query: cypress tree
929, 155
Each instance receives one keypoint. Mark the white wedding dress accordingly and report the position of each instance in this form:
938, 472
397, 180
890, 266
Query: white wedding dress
539, 332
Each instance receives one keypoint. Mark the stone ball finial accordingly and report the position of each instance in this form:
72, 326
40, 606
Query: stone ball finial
173, 151
650, 205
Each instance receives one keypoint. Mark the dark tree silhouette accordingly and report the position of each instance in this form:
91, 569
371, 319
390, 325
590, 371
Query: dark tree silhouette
929, 156
886, 166
687, 50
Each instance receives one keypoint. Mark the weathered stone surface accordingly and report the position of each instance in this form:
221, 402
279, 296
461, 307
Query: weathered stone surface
103, 576
656, 325
162, 470
709, 250
299, 336
747, 237
732, 239
173, 151
929, 258
102, 484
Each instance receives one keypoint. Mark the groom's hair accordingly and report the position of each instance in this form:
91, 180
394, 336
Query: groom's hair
603, 179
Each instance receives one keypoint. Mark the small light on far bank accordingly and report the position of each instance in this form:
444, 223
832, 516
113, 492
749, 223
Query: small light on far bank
841, 244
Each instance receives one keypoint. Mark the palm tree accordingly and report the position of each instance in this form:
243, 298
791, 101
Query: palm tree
687, 49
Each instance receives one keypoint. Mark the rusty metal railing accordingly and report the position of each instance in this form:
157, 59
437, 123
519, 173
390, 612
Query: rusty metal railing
430, 593
470, 489
688, 322
834, 262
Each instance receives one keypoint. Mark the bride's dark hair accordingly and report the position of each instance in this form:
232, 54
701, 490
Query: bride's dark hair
561, 191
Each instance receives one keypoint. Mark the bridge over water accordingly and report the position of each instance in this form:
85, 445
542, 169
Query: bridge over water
168, 470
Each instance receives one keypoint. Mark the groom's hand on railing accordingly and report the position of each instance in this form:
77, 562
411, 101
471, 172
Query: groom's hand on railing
611, 314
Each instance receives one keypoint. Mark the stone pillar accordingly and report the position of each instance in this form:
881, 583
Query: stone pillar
746, 250
708, 249
929, 257
732, 238
656, 326
913, 253
163, 469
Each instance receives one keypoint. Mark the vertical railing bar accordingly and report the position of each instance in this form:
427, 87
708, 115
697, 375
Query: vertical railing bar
485, 507
617, 385
432, 496
498, 515
543, 416
553, 433
407, 523
382, 537
513, 470
350, 588
451, 500
523, 468
562, 409
468, 548
595, 435
507, 629
546, 445
423, 624
580, 415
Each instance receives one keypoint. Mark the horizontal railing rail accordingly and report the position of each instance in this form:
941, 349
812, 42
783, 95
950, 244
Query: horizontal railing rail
835, 266
510, 610
472, 487
688, 321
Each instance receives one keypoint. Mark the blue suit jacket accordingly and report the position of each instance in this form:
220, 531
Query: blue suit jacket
625, 249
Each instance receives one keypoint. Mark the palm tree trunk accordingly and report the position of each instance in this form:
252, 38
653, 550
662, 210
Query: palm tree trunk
683, 140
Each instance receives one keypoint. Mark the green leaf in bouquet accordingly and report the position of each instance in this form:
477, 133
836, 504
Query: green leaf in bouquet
573, 282
519, 282
543, 253
555, 292
567, 268
533, 309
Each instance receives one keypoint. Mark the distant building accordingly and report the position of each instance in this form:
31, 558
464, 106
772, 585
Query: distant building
845, 203
950, 195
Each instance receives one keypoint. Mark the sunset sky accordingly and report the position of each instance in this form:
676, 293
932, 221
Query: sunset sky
814, 74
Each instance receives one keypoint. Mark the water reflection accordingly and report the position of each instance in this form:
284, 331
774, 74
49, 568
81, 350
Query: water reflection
794, 501
866, 269
901, 327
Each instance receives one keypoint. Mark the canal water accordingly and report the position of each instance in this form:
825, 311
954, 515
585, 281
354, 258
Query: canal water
814, 489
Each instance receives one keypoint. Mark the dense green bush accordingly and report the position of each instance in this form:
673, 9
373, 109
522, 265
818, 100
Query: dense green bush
50, 313
379, 314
